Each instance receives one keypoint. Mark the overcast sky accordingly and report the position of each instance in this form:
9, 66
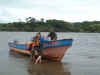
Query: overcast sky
68, 10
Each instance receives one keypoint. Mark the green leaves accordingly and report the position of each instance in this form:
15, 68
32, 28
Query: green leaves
35, 25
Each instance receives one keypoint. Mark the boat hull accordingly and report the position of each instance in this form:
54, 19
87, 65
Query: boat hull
48, 53
51, 50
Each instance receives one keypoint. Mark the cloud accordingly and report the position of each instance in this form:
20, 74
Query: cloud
68, 10
7, 16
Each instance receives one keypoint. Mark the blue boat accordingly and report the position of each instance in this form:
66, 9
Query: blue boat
53, 50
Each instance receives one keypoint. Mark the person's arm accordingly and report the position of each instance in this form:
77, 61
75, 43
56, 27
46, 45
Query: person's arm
55, 34
49, 34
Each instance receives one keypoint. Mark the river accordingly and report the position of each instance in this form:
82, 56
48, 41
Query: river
83, 58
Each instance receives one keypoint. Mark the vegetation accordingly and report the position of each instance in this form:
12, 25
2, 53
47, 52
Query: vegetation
33, 25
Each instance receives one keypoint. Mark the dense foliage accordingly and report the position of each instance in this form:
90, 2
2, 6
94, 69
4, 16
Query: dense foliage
34, 25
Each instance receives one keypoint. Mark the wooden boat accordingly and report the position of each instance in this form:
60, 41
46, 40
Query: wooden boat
53, 50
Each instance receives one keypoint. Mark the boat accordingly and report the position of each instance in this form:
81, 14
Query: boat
53, 50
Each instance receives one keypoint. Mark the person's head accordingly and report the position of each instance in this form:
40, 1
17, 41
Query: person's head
38, 35
32, 39
51, 30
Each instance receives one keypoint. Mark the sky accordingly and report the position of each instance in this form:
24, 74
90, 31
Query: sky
68, 10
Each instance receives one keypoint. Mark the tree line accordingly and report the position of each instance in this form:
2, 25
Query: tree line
33, 25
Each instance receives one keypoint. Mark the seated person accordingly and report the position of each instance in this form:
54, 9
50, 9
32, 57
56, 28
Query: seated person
52, 35
30, 44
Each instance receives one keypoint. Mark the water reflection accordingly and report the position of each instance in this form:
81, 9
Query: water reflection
45, 68
16, 54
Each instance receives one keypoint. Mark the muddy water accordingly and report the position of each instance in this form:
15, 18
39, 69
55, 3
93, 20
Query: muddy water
83, 58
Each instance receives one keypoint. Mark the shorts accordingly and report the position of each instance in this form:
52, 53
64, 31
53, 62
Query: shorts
39, 49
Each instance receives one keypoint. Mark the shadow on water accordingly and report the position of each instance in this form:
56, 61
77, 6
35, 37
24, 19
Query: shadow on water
45, 68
